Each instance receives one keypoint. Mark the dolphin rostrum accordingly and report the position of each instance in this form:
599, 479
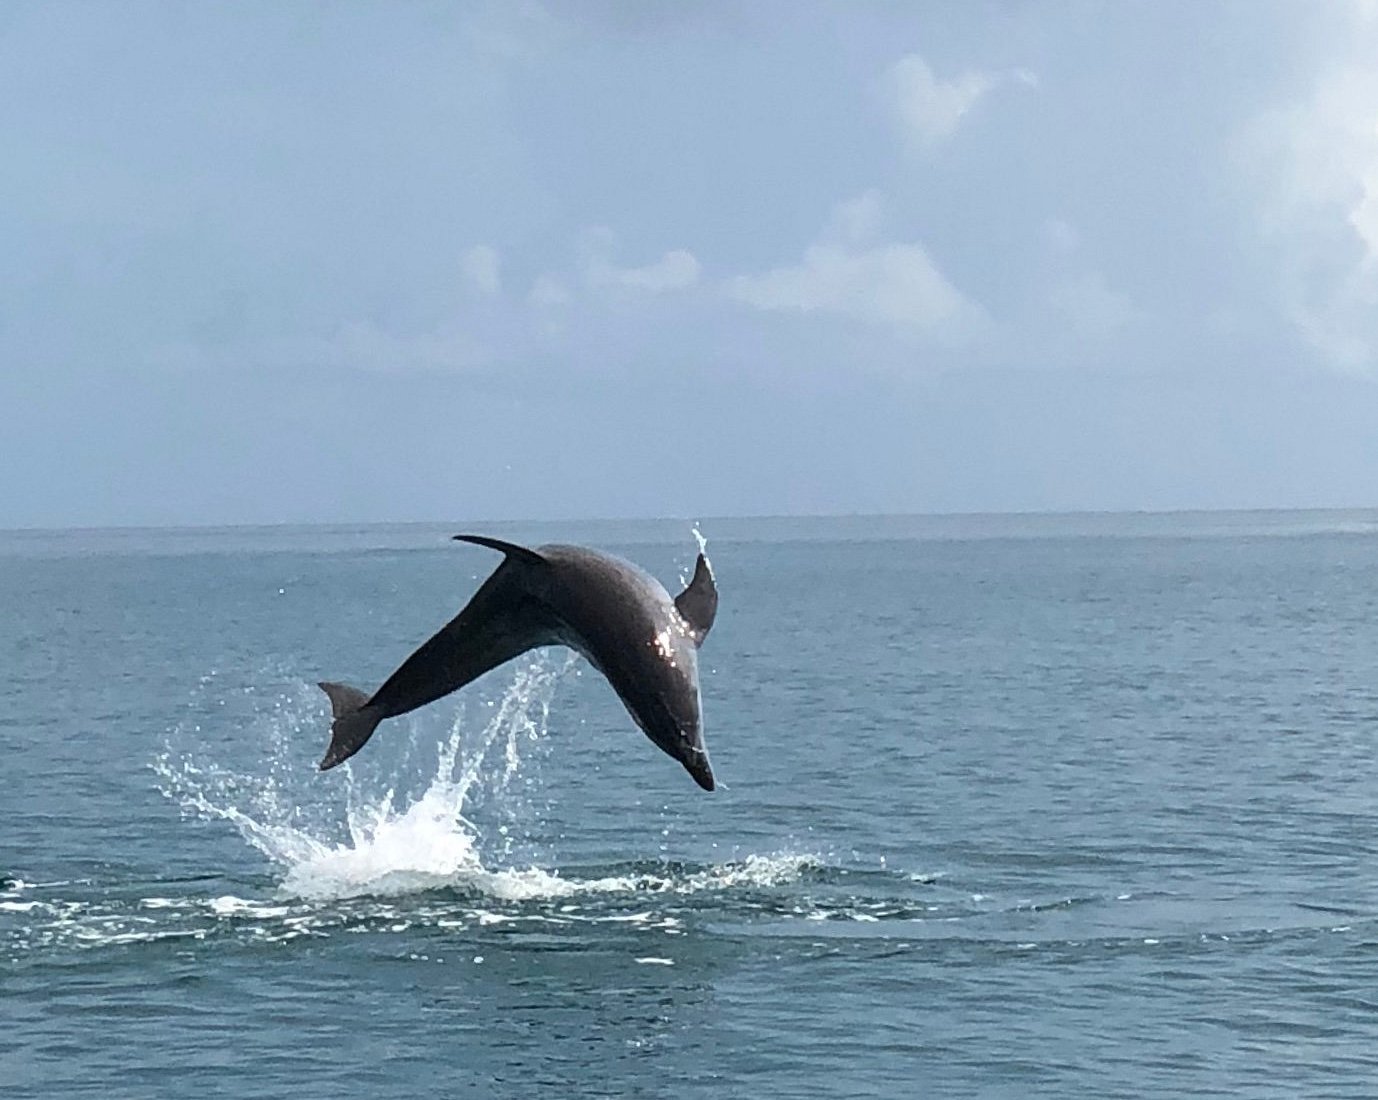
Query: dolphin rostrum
613, 613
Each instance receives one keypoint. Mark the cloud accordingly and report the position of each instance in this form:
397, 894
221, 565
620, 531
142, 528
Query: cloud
1366, 11
675, 270
1313, 165
929, 110
859, 220
480, 267
895, 285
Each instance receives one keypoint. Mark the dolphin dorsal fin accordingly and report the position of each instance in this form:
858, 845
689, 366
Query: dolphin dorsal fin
511, 549
698, 604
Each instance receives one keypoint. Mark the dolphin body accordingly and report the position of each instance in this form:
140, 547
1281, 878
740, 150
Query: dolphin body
613, 613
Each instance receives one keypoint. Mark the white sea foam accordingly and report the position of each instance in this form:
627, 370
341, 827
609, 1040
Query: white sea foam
231, 906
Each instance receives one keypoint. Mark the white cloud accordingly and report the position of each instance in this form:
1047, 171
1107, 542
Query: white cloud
859, 220
928, 109
895, 285
480, 266
675, 270
1314, 165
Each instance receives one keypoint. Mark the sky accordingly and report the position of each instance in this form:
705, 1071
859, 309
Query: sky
299, 262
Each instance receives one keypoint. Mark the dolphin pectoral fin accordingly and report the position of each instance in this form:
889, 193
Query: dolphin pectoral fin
698, 603
511, 549
354, 723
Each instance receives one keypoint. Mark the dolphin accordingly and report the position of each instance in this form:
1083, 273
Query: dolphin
617, 616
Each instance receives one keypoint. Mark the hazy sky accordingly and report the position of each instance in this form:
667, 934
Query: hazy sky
313, 262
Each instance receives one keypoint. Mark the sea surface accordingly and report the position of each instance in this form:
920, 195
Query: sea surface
1009, 807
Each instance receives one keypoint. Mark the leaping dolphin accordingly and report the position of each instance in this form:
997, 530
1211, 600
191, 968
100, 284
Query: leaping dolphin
613, 613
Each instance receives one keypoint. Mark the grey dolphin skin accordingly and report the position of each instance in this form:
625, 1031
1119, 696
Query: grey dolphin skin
613, 613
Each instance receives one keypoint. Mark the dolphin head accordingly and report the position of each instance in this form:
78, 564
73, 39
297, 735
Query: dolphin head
626, 625
682, 741
700, 769
665, 725
660, 688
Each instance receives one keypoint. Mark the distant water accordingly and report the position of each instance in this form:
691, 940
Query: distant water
1013, 806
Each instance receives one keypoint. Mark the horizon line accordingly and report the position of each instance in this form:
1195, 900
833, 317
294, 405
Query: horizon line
1067, 513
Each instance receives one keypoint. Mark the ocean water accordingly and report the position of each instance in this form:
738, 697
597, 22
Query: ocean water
1010, 807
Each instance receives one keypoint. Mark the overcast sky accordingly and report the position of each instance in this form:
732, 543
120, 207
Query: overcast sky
293, 262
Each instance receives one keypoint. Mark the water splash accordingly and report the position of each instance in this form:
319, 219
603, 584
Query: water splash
376, 845
425, 851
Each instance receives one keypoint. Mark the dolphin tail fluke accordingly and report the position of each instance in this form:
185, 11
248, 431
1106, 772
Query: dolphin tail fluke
354, 723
